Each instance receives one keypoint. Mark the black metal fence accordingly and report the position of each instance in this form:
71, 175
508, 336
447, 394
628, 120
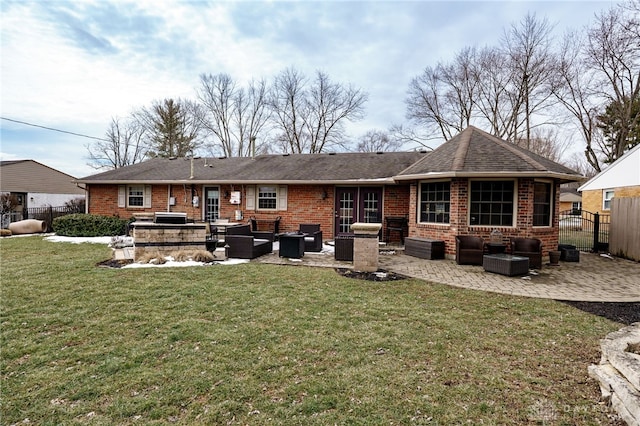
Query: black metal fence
47, 214
585, 230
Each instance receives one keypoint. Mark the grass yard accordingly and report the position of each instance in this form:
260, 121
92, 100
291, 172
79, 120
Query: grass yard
264, 344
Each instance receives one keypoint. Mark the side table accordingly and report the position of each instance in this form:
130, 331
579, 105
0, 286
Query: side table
292, 245
496, 248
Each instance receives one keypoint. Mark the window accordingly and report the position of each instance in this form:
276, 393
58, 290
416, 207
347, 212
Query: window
271, 197
576, 207
135, 196
267, 197
607, 195
491, 203
435, 202
542, 203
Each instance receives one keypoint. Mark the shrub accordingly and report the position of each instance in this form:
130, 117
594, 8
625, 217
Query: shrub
89, 225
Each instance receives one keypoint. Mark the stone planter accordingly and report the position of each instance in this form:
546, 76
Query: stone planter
554, 257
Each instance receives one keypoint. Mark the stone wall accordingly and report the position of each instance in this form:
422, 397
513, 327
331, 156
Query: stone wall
619, 372
160, 239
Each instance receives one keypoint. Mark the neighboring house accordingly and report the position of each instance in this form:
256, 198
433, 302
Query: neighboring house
620, 179
472, 184
35, 185
570, 200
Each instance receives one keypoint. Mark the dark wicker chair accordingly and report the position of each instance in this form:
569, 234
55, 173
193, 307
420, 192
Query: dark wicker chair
313, 240
528, 247
469, 250
245, 244
344, 247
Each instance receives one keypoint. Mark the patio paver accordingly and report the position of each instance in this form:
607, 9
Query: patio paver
594, 279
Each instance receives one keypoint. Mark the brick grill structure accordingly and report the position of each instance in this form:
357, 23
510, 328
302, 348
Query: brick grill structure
160, 239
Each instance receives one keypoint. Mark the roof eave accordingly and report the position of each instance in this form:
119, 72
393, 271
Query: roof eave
387, 180
563, 177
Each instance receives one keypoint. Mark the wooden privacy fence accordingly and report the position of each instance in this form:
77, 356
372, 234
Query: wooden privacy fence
624, 232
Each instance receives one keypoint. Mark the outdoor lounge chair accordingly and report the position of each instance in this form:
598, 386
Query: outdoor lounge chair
528, 247
313, 240
469, 250
245, 244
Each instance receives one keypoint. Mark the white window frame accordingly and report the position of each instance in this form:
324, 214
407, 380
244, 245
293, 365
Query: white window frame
427, 182
252, 201
514, 215
124, 192
551, 203
606, 200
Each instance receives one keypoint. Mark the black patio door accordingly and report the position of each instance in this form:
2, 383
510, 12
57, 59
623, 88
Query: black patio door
357, 204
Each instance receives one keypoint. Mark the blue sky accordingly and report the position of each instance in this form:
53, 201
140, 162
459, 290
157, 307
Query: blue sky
72, 65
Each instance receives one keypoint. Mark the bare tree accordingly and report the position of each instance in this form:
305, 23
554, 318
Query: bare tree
503, 88
173, 127
409, 135
614, 53
527, 45
575, 89
288, 103
494, 101
8, 202
124, 145
234, 115
441, 99
310, 116
378, 141
545, 142
600, 71
578, 162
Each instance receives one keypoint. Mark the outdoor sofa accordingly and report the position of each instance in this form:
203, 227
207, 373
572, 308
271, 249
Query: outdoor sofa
246, 244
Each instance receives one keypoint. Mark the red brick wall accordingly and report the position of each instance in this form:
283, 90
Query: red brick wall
459, 218
305, 204
103, 200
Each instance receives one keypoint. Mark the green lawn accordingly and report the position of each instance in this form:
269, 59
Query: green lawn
264, 344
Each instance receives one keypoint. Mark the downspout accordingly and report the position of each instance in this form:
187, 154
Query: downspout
169, 197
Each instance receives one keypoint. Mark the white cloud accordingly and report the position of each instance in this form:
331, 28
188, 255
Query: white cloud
75, 65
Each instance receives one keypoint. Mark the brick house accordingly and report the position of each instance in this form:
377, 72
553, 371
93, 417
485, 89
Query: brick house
334, 190
451, 190
620, 179
476, 183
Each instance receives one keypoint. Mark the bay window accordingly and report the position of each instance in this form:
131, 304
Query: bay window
492, 203
435, 202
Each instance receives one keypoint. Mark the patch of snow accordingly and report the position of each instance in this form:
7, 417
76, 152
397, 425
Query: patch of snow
170, 263
78, 240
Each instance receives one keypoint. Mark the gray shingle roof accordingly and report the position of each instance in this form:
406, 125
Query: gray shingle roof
31, 176
470, 153
307, 168
475, 152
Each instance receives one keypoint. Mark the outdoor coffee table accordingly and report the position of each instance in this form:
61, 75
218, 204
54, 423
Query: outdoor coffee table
505, 264
292, 245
